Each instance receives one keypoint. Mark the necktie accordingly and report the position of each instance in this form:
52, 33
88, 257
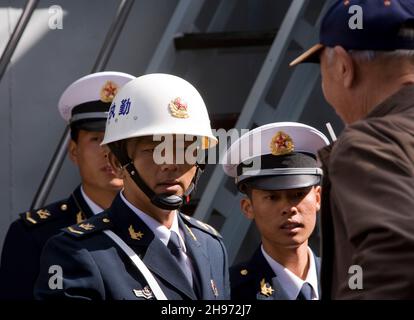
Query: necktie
305, 292
177, 251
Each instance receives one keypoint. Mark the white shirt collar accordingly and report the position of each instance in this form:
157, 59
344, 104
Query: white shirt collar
92, 205
290, 282
160, 231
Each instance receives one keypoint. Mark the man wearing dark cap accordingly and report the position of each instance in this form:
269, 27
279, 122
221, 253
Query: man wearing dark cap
367, 209
84, 104
281, 183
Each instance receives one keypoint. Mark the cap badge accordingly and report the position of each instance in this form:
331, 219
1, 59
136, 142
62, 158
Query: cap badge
387, 3
108, 91
178, 108
281, 144
265, 288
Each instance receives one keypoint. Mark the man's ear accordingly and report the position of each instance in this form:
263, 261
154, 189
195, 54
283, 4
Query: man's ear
246, 207
116, 165
345, 67
73, 151
318, 190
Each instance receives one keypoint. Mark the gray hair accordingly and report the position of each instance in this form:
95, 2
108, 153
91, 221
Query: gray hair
370, 55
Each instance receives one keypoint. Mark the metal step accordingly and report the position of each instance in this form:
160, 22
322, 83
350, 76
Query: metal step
218, 40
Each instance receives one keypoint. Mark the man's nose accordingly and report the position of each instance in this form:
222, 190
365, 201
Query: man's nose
169, 167
289, 208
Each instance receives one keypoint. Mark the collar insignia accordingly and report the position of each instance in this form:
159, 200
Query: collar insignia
135, 235
80, 217
86, 226
43, 214
265, 288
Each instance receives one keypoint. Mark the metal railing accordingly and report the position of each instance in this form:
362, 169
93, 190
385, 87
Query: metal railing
16, 35
101, 61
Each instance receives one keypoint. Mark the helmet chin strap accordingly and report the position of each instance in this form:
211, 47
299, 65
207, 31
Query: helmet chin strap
163, 200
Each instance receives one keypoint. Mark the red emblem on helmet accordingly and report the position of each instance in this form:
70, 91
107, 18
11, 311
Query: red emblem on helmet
178, 108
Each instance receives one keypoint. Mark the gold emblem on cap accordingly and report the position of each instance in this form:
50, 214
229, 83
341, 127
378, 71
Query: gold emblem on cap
64, 207
178, 108
244, 272
135, 235
106, 220
108, 91
281, 144
265, 288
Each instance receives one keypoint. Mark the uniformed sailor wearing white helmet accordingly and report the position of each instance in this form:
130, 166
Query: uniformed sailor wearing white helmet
142, 247
281, 182
84, 106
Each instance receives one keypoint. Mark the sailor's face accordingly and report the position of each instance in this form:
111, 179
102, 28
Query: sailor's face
91, 158
162, 169
285, 218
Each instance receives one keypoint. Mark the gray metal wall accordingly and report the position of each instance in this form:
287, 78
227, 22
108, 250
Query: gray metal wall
46, 61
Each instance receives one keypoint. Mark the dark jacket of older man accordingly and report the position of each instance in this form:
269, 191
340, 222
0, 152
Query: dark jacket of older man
368, 207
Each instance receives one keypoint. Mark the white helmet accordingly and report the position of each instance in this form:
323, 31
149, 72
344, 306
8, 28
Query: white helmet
158, 104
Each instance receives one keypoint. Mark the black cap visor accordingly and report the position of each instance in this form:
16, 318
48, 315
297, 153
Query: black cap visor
96, 125
285, 182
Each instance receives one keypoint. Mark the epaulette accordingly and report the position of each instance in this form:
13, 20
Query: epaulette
201, 225
41, 216
94, 224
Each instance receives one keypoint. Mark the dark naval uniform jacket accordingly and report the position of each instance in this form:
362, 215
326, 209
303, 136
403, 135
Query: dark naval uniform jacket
95, 268
25, 239
255, 280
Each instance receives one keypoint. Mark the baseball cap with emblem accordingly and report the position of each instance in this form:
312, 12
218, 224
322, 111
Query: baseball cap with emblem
85, 103
286, 152
381, 23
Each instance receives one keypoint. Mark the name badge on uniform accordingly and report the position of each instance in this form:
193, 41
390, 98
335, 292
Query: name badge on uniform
145, 293
214, 288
